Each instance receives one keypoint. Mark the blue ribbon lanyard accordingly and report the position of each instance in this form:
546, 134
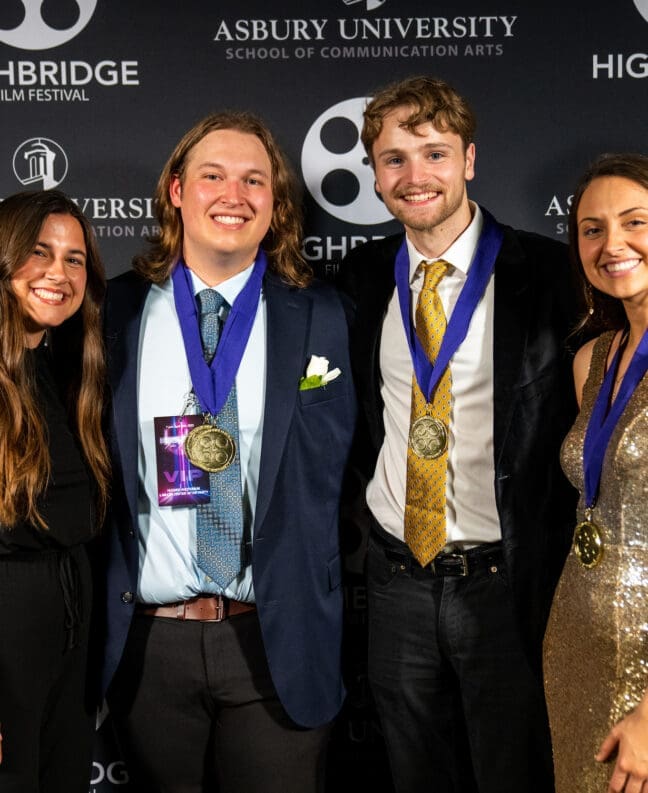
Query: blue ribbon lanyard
479, 273
602, 423
213, 382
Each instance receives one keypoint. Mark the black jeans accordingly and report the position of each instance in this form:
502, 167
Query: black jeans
460, 707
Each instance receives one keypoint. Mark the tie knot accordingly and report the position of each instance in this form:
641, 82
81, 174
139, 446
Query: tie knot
433, 273
210, 302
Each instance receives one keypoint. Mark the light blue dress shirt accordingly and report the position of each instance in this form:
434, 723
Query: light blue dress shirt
168, 570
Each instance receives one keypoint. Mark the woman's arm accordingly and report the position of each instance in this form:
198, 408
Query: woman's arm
630, 739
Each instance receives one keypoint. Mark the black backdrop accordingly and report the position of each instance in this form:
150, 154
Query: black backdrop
94, 95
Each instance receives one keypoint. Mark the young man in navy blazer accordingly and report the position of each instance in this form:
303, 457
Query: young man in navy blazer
455, 633
235, 682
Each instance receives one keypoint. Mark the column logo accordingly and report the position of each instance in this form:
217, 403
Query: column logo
40, 163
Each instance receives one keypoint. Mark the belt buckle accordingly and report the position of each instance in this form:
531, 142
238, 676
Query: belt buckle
462, 557
221, 610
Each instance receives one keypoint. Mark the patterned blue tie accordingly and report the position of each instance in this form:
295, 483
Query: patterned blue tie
219, 523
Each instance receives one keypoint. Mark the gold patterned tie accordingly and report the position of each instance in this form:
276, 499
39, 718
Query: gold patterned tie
427, 451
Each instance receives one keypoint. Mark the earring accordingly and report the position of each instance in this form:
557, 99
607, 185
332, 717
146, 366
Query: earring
589, 299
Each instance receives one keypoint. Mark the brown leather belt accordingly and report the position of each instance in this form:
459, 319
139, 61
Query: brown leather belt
206, 608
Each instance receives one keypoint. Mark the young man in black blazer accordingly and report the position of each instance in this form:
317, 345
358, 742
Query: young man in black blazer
456, 621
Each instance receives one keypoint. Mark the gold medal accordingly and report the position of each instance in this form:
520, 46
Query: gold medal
588, 542
210, 448
428, 437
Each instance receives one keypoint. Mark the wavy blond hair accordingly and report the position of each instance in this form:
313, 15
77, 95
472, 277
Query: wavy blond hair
283, 240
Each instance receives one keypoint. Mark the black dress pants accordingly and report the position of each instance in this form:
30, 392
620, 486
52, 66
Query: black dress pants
47, 722
461, 708
195, 710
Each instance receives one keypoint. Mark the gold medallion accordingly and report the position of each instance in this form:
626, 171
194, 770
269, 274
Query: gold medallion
428, 437
210, 448
588, 543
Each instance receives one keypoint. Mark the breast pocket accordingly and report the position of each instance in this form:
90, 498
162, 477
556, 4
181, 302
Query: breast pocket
318, 396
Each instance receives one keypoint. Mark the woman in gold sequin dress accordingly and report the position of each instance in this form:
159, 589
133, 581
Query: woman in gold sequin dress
596, 648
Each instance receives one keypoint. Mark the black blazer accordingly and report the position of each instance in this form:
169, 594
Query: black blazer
533, 395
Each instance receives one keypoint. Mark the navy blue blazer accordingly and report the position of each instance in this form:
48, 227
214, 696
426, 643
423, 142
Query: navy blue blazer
306, 439
534, 403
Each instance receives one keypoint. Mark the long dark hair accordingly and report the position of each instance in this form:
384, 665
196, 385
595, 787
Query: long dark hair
78, 351
600, 311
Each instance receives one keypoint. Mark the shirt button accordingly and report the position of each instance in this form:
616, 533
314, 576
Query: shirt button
127, 597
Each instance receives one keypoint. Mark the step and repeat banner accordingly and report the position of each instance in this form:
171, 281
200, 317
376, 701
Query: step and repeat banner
94, 94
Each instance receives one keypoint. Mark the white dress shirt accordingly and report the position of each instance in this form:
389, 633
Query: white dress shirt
471, 511
168, 569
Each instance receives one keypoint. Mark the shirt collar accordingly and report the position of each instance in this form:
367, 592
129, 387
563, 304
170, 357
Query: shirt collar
229, 288
460, 254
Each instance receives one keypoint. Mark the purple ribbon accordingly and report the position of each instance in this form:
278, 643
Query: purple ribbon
602, 423
479, 273
213, 382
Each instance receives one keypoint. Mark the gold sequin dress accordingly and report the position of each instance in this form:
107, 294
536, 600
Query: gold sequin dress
596, 646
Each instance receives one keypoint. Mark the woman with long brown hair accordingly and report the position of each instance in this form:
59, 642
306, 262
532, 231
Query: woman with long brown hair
596, 648
53, 487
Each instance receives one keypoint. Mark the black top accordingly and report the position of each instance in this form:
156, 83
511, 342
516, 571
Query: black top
67, 504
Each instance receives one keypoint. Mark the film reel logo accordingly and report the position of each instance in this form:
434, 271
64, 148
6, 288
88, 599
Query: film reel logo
336, 169
29, 26
642, 8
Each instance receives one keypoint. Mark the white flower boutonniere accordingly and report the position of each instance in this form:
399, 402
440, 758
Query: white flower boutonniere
317, 373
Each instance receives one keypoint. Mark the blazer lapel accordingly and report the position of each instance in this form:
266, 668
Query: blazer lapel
379, 291
287, 315
512, 295
122, 341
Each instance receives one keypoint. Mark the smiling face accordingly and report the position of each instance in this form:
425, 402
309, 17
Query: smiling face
612, 222
422, 180
51, 283
225, 199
